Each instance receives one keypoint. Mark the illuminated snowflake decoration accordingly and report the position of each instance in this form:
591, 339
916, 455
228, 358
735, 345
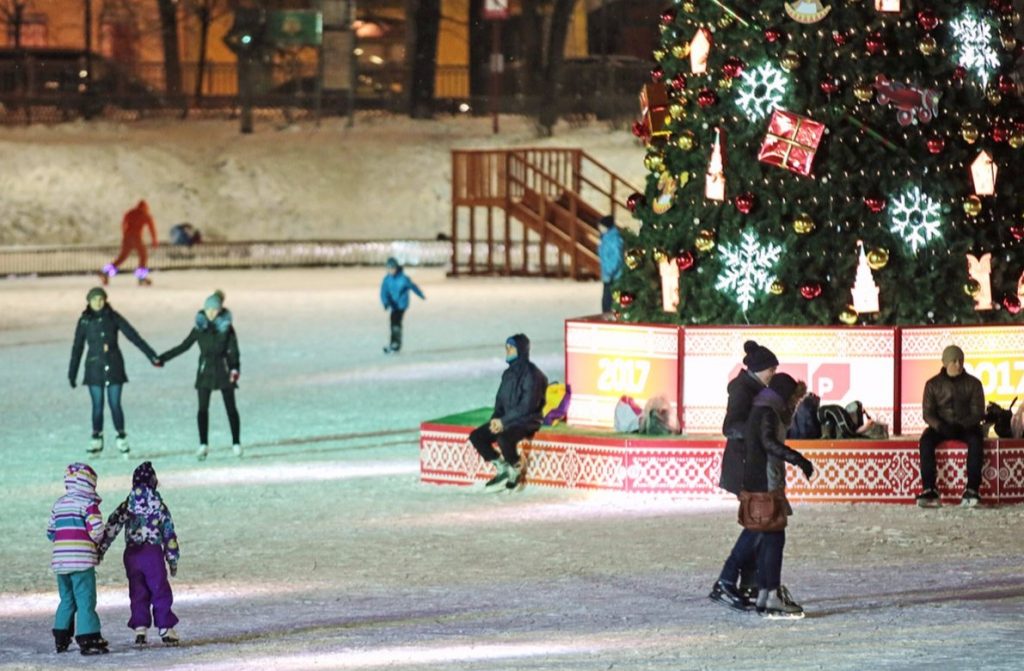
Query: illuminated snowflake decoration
974, 45
747, 268
762, 91
915, 217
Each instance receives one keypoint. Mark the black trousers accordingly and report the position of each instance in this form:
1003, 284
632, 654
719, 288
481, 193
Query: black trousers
203, 416
769, 559
396, 328
606, 297
483, 440
742, 562
930, 440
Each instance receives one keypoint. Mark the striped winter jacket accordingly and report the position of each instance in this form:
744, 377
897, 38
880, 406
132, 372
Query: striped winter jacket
76, 524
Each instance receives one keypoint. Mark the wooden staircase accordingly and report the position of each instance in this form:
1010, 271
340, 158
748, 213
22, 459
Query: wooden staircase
531, 212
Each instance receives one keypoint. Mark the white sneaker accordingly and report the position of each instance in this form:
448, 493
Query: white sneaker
95, 445
122, 444
237, 449
169, 636
202, 452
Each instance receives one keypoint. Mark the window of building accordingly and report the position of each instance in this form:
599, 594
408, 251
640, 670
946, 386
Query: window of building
34, 32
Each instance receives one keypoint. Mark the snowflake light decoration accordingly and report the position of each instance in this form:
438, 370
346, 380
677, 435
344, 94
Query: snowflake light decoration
915, 216
747, 268
762, 91
974, 45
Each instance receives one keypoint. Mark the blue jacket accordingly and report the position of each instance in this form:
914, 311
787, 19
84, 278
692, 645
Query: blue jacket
394, 291
609, 250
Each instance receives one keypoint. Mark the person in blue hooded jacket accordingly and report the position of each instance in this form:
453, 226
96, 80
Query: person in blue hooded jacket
394, 294
609, 251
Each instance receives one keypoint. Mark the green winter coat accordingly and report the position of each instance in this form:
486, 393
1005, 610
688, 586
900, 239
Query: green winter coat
104, 364
218, 350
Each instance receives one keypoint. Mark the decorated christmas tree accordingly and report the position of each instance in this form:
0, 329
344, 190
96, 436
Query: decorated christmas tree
799, 149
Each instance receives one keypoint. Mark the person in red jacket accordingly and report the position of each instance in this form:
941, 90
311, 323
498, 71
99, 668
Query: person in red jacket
135, 221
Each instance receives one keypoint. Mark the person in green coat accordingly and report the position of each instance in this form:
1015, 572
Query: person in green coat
105, 374
218, 367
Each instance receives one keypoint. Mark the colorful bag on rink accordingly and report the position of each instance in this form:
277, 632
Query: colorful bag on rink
556, 403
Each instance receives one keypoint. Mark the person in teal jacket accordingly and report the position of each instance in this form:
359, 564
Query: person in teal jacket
394, 295
609, 251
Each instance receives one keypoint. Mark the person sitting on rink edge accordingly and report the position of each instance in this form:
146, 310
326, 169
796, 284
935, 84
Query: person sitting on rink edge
954, 409
517, 413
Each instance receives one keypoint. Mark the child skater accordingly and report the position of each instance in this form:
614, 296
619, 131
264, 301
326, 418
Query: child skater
394, 294
149, 541
218, 367
75, 529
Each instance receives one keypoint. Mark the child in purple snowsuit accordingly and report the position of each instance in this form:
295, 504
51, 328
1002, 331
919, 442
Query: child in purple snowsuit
149, 541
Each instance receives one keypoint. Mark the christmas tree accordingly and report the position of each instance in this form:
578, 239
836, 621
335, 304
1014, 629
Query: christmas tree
787, 141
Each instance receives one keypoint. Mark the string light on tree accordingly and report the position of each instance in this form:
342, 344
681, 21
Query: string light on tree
975, 50
748, 268
916, 217
762, 90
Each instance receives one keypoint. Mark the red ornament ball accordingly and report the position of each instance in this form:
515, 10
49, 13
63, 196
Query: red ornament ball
927, 19
959, 73
1017, 231
810, 290
685, 260
1012, 303
839, 38
679, 82
745, 202
634, 201
874, 42
733, 67
1005, 85
707, 98
668, 16
875, 203
829, 85
936, 144
772, 35
639, 129
1000, 133
657, 74
626, 299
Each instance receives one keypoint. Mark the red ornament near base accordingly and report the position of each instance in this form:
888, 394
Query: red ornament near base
634, 201
1017, 231
875, 203
707, 98
745, 202
1012, 303
625, 299
685, 260
936, 144
810, 290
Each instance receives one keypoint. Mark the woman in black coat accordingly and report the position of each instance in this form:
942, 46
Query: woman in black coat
765, 471
104, 366
218, 367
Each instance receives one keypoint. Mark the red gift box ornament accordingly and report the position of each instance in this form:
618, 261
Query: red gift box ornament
654, 108
791, 142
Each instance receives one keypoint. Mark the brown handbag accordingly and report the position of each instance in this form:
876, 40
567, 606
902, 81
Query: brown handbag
763, 511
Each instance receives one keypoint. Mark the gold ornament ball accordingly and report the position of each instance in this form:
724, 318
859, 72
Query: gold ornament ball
928, 45
725, 21
676, 111
993, 96
686, 141
803, 225
634, 257
848, 316
790, 61
659, 255
1017, 139
1008, 40
654, 162
705, 241
689, 7
725, 83
777, 288
972, 287
681, 51
863, 92
683, 178
969, 132
878, 258
972, 206
615, 296
659, 55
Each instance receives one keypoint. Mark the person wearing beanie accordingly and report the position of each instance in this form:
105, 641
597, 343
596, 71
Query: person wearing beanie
219, 367
394, 295
136, 220
76, 529
741, 566
517, 414
609, 252
954, 409
150, 541
98, 328
764, 470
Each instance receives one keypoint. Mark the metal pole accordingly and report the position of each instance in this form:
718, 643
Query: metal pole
350, 16
319, 67
88, 41
497, 67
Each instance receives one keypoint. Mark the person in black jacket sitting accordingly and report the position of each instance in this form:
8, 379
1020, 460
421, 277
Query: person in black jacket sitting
517, 412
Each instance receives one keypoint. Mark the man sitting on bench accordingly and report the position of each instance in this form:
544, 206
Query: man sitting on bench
954, 408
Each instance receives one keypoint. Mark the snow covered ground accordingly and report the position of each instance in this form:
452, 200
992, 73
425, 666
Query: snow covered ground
385, 178
321, 550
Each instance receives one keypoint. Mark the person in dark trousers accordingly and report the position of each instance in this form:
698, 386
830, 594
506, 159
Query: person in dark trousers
150, 541
136, 220
764, 470
759, 364
104, 366
219, 367
517, 413
394, 294
609, 251
954, 409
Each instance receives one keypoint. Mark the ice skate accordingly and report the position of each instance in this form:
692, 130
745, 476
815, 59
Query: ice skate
778, 604
61, 639
122, 445
516, 477
388, 349
92, 644
169, 636
96, 444
727, 595
500, 477
145, 282
140, 636
236, 449
970, 499
929, 498
202, 452
104, 278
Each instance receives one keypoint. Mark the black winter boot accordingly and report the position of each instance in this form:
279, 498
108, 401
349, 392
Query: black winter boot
92, 644
62, 639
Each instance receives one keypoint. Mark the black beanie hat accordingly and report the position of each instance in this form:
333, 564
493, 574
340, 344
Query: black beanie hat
784, 385
758, 357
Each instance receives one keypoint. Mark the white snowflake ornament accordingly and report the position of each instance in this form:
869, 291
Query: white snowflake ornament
747, 268
916, 217
975, 50
762, 90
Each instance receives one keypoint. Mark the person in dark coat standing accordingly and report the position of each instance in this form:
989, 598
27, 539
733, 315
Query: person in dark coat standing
759, 364
517, 413
609, 252
219, 367
954, 408
104, 366
394, 294
764, 470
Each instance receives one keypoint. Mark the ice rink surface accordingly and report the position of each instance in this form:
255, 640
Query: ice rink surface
320, 549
